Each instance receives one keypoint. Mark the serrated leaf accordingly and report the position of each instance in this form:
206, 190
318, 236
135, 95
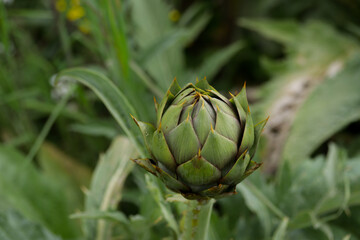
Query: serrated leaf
329, 108
309, 63
106, 186
256, 205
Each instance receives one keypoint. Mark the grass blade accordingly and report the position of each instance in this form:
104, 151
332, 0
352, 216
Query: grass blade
281, 230
49, 123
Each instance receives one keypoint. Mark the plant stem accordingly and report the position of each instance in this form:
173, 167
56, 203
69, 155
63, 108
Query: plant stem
195, 218
200, 212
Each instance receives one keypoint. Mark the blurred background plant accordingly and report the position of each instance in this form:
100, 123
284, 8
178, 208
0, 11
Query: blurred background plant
302, 67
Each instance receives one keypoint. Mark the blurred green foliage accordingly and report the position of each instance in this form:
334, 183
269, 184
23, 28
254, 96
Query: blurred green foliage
301, 64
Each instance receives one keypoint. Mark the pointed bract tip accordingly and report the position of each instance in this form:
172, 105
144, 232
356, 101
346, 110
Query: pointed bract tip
199, 153
265, 122
188, 117
197, 94
197, 80
231, 95
249, 109
174, 81
258, 165
244, 85
211, 128
156, 104
134, 119
159, 127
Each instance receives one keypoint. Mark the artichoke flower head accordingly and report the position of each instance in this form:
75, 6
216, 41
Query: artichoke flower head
203, 143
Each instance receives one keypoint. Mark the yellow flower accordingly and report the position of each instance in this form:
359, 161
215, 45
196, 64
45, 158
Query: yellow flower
174, 15
60, 5
84, 26
75, 13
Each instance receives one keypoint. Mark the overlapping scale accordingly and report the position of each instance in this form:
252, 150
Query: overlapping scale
182, 94
161, 151
219, 150
198, 172
227, 125
202, 121
183, 142
171, 117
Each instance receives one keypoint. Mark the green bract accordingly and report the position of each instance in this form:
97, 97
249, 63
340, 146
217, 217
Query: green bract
203, 143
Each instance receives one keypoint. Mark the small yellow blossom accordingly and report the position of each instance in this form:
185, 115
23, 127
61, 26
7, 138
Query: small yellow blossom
75, 13
84, 26
60, 5
174, 15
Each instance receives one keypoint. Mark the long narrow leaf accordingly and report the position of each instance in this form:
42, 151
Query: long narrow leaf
49, 123
119, 38
115, 101
281, 230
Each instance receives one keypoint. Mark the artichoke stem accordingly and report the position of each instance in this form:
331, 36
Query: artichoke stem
197, 206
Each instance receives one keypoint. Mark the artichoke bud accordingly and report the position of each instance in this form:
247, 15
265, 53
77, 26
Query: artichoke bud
203, 143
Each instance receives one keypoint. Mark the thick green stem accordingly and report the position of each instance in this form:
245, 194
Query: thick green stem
195, 218
198, 220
